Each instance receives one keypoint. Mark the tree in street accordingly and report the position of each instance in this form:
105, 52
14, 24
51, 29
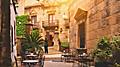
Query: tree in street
5, 52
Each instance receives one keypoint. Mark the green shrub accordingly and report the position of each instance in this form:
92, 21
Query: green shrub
103, 50
65, 44
108, 50
115, 43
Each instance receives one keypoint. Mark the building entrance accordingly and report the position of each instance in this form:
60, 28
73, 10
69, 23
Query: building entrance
82, 35
50, 39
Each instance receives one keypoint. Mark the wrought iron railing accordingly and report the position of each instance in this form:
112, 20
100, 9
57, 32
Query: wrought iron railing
50, 23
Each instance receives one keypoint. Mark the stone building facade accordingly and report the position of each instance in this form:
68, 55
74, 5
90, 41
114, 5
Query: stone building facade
49, 16
92, 19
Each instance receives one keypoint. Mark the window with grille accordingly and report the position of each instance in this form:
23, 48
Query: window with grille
33, 19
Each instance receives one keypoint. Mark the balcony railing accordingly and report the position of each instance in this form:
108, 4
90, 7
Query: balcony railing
50, 23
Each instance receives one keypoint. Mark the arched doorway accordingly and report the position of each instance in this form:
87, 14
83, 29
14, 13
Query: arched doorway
49, 38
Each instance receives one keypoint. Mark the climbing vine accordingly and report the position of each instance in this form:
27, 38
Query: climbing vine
20, 24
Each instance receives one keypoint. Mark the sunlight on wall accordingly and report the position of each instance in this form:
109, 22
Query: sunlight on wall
30, 2
83, 4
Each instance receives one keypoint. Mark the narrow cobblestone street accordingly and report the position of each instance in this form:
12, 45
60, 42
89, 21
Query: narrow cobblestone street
59, 33
53, 59
57, 64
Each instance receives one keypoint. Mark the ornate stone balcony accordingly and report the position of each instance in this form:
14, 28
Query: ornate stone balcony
51, 25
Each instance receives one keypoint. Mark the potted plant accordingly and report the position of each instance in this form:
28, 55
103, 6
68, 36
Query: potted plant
33, 42
102, 53
65, 46
115, 43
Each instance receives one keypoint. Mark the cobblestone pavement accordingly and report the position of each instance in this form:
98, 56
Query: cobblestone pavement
53, 59
52, 51
50, 64
57, 64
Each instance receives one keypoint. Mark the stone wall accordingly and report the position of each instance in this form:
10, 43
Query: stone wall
103, 19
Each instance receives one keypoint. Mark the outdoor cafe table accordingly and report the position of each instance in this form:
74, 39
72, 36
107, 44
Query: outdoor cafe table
83, 59
30, 62
66, 56
31, 56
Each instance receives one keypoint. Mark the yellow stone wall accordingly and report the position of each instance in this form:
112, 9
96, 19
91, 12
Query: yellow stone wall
102, 20
20, 9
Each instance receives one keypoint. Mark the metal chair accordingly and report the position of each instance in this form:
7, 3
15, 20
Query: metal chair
41, 61
16, 61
